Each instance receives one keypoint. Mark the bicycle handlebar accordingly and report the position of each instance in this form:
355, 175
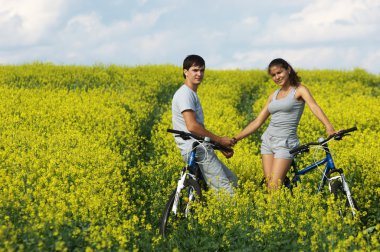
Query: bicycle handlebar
186, 136
337, 136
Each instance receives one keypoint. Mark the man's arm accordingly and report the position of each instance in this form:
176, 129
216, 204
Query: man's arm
197, 129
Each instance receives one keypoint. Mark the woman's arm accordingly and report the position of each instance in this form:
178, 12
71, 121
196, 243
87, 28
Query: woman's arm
305, 94
255, 124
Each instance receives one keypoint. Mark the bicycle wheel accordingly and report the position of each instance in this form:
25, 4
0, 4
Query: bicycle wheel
189, 193
288, 183
345, 204
193, 193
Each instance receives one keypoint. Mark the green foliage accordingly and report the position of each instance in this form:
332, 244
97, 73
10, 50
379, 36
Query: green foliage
87, 164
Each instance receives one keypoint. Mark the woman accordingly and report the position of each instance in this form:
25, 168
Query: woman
285, 106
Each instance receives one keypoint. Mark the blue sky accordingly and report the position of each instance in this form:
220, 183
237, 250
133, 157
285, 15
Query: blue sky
229, 34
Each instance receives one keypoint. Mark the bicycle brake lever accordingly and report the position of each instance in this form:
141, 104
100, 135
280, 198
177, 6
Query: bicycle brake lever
340, 136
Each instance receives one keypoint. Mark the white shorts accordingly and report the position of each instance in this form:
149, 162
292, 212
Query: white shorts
278, 146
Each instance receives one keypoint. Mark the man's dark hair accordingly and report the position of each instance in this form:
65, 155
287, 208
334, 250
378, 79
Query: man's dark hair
193, 60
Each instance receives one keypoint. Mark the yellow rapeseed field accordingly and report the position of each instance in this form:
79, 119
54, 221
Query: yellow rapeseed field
86, 163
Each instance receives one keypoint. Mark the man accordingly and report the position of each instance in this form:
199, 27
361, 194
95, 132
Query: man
187, 115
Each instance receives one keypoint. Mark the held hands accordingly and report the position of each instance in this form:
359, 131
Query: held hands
234, 141
228, 142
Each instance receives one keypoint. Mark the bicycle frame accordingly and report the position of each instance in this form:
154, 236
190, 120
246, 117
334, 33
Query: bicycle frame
191, 181
185, 172
330, 167
328, 170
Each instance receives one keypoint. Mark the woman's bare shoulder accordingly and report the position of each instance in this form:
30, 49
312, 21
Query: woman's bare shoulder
301, 88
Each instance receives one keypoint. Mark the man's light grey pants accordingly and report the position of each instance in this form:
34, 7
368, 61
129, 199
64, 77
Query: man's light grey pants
216, 174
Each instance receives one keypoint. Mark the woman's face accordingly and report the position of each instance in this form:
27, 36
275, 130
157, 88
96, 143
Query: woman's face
280, 75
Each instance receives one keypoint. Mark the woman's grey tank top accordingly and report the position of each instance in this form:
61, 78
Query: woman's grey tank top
286, 114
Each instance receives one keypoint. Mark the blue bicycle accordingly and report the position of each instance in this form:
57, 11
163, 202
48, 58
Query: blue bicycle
190, 184
337, 184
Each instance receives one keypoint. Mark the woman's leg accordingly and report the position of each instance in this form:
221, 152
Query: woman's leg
275, 165
267, 161
279, 169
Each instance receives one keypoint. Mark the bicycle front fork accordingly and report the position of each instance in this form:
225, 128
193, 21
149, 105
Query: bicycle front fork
345, 188
180, 186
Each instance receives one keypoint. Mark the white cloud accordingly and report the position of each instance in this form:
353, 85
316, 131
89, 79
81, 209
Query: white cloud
149, 19
91, 25
250, 21
238, 34
23, 22
151, 48
87, 37
370, 61
306, 58
325, 21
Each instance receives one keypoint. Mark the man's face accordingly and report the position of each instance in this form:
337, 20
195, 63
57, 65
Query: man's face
195, 74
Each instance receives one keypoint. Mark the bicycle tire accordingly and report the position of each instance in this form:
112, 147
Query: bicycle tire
340, 197
168, 217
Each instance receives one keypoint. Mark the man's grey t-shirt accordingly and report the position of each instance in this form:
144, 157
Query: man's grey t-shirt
185, 99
